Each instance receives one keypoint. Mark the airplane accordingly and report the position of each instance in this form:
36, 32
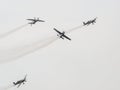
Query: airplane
90, 22
22, 81
61, 34
35, 20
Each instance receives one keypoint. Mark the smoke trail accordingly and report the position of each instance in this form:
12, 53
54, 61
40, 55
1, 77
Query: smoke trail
19, 52
6, 87
73, 29
12, 31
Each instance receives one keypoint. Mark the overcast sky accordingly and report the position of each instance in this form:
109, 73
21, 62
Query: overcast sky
91, 61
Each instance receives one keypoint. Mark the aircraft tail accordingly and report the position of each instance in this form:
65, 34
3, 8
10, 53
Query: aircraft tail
84, 23
14, 83
30, 23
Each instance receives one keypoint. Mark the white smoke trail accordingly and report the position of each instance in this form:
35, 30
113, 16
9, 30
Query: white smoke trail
12, 31
16, 53
73, 29
6, 87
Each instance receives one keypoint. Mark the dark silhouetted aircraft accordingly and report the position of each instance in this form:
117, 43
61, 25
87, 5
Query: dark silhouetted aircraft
61, 34
35, 20
90, 22
20, 81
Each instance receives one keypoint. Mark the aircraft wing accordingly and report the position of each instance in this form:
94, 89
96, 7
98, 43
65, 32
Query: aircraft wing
19, 85
41, 21
57, 31
31, 19
66, 37
25, 77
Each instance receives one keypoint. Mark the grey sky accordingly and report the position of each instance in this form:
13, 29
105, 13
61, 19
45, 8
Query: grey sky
89, 62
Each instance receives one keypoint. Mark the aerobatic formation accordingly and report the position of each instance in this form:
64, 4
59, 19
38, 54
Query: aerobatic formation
61, 35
